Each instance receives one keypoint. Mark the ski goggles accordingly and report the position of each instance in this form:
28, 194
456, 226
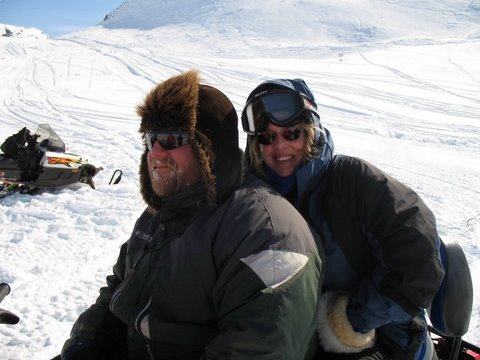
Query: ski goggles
280, 107
168, 139
268, 137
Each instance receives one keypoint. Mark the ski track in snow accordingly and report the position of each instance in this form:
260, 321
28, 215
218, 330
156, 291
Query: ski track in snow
418, 119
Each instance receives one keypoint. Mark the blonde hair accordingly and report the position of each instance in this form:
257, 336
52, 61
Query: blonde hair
256, 156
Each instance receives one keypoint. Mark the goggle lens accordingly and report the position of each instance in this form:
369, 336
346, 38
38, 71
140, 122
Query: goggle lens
268, 137
282, 108
168, 139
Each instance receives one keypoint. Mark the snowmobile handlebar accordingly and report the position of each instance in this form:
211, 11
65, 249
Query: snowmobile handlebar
6, 317
4, 291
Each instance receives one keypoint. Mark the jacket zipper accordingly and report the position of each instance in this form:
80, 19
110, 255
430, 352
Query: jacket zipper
149, 349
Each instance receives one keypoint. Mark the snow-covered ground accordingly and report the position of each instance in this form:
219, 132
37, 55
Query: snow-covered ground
397, 83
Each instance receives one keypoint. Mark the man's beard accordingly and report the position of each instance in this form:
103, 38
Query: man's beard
168, 181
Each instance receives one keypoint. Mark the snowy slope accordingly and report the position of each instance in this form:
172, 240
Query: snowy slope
397, 82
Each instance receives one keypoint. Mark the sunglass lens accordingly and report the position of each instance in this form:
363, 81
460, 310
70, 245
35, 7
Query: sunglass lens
266, 137
168, 140
291, 135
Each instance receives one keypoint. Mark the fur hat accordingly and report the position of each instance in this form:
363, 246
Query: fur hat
204, 111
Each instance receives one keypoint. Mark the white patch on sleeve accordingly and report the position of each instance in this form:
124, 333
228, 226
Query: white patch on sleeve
275, 267
145, 326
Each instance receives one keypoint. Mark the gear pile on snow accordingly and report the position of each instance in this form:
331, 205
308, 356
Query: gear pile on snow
33, 161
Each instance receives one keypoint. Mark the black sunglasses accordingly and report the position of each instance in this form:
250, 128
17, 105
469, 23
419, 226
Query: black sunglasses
168, 139
268, 137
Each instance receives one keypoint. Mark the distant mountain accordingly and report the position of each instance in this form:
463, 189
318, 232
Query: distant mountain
287, 28
110, 15
317, 21
21, 32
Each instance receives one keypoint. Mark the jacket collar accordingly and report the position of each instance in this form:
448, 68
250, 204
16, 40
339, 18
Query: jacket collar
177, 211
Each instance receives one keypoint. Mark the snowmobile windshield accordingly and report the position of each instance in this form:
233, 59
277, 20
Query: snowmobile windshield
48, 139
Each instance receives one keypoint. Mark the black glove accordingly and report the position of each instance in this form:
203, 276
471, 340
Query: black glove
79, 349
86, 346
6, 317
97, 334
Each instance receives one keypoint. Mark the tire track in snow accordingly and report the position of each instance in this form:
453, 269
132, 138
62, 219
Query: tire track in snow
425, 84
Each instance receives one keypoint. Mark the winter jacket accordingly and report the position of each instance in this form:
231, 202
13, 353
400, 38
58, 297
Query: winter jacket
240, 281
380, 241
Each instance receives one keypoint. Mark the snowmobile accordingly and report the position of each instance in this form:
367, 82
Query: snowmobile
33, 161
450, 311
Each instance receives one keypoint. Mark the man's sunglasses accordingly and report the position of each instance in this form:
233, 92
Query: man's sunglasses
168, 139
280, 107
268, 137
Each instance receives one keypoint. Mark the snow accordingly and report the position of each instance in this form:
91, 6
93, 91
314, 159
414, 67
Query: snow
397, 82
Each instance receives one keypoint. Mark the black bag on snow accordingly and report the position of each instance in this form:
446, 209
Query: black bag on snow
13, 144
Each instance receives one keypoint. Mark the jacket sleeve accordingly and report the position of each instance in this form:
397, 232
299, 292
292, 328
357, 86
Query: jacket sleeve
268, 282
97, 333
402, 234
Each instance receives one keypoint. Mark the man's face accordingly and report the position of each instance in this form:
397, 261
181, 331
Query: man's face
172, 170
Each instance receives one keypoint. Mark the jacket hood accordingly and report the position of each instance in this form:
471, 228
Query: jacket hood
203, 111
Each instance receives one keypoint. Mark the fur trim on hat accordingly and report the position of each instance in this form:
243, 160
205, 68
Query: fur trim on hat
210, 118
171, 104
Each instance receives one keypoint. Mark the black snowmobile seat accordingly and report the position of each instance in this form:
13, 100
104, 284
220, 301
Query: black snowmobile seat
8, 163
21, 153
451, 308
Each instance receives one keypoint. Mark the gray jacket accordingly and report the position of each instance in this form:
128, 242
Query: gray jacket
240, 281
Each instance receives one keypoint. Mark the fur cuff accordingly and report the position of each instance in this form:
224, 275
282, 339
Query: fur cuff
335, 332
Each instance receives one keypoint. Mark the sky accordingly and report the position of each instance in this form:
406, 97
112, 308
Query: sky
391, 92
55, 17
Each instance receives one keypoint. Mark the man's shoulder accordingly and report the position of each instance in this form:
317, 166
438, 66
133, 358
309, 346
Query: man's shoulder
258, 213
256, 190
257, 199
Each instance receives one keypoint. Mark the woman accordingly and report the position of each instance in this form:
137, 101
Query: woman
380, 239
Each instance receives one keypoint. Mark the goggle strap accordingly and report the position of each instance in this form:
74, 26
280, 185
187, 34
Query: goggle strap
251, 122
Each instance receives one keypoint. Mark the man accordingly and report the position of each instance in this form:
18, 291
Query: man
214, 269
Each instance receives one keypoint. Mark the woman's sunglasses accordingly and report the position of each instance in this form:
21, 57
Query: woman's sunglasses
268, 137
168, 139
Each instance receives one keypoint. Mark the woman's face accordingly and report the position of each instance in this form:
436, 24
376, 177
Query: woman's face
284, 156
